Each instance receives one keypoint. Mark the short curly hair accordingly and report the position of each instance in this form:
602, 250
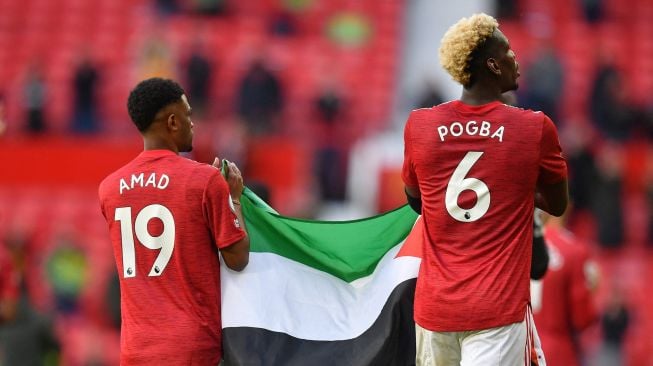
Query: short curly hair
459, 43
149, 97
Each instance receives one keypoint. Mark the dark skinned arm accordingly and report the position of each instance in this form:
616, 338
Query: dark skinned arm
552, 198
540, 255
236, 255
414, 199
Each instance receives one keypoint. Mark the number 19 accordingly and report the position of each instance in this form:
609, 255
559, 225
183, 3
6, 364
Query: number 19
165, 241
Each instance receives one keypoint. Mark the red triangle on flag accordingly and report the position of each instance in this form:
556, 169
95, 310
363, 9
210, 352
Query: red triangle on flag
413, 245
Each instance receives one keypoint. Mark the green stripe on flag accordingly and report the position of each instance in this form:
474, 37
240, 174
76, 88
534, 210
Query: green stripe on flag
346, 249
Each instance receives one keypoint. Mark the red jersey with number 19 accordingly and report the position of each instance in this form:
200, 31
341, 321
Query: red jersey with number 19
477, 168
167, 217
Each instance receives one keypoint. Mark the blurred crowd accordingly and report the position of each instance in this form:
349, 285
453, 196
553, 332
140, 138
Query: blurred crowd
230, 115
606, 138
606, 134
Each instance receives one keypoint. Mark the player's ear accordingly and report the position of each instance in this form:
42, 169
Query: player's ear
493, 66
172, 122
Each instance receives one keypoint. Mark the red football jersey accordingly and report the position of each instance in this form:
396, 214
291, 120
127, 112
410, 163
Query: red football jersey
167, 217
562, 301
477, 168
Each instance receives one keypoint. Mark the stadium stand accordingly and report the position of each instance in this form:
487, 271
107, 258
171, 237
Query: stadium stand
48, 184
625, 34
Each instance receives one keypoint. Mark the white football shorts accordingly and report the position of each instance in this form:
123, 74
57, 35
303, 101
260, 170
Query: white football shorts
510, 345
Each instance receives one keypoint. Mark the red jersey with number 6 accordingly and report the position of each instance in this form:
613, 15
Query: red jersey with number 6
167, 217
477, 168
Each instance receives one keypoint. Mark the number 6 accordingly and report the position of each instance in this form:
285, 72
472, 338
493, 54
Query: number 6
165, 241
458, 183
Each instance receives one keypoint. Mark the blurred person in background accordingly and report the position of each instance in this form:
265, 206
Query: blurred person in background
166, 7
607, 195
85, 86
27, 336
9, 286
170, 298
563, 301
260, 99
155, 59
231, 139
578, 138
283, 23
593, 10
210, 7
506, 9
615, 321
261, 190
609, 110
34, 98
648, 181
67, 270
544, 81
112, 300
330, 161
199, 73
472, 296
430, 96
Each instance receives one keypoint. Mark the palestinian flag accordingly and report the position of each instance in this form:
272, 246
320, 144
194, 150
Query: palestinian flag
322, 293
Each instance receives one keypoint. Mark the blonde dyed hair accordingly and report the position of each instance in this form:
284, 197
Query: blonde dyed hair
461, 40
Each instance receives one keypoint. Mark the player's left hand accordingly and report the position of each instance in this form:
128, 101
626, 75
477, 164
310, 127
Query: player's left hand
233, 177
538, 224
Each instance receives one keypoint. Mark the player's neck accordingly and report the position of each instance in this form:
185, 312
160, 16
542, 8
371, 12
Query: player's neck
479, 94
159, 144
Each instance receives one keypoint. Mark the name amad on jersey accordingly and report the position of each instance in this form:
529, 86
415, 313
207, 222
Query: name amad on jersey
471, 128
138, 180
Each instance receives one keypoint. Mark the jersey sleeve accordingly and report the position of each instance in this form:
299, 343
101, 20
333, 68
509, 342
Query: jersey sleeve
553, 166
220, 214
408, 171
583, 309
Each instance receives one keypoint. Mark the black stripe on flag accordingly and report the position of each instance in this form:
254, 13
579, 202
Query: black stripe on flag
390, 341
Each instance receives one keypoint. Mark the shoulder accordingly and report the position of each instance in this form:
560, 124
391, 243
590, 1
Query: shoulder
201, 172
531, 122
440, 108
111, 179
208, 177
524, 113
422, 116
119, 173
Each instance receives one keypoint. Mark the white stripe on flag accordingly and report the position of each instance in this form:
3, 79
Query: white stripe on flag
282, 295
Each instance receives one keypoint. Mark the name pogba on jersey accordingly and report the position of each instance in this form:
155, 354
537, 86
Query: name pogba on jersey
471, 128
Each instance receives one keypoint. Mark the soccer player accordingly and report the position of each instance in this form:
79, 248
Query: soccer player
563, 301
168, 217
475, 168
